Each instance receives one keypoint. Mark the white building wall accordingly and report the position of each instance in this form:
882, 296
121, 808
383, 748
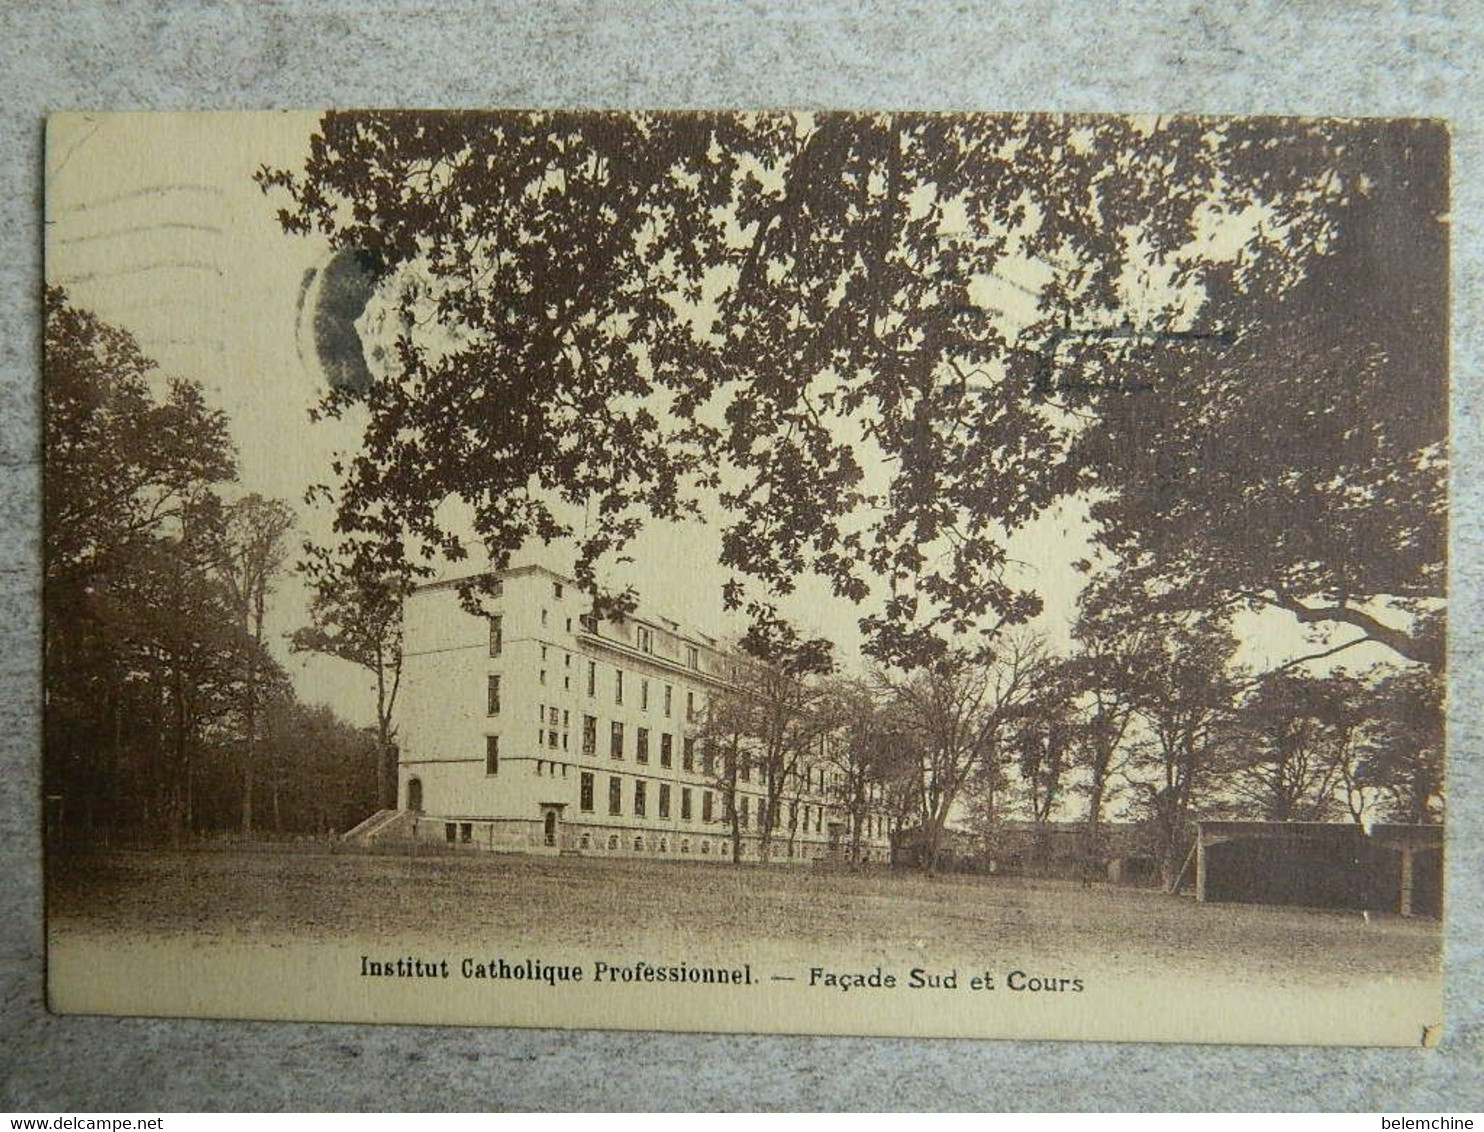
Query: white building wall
543, 666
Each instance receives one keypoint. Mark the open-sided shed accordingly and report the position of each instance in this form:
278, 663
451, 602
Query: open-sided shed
1395, 868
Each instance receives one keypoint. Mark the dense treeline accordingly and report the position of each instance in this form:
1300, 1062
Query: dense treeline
1145, 718
166, 713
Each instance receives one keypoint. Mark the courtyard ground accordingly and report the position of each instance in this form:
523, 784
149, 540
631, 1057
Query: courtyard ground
673, 910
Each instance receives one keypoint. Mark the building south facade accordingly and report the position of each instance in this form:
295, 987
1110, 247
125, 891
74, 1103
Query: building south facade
543, 729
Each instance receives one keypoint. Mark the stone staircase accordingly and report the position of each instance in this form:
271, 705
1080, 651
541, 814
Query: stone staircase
382, 825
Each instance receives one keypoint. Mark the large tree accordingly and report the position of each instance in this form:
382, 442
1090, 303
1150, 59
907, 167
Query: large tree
960, 709
860, 747
1105, 678
140, 648
1295, 737
610, 315
1042, 740
355, 615
770, 719
257, 531
1293, 457
1402, 755
1184, 706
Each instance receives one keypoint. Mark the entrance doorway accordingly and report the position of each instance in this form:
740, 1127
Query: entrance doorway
837, 833
551, 825
415, 794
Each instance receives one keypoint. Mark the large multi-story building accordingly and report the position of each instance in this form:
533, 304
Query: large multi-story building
543, 729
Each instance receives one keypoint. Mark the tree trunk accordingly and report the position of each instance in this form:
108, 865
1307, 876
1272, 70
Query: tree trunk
935, 832
736, 833
1094, 819
247, 787
385, 799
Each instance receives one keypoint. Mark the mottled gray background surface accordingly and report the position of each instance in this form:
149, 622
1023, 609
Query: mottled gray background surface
1308, 57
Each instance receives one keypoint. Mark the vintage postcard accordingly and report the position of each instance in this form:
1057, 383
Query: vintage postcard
838, 573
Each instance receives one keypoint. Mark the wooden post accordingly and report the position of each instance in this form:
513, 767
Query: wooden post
1179, 882
1406, 894
1200, 864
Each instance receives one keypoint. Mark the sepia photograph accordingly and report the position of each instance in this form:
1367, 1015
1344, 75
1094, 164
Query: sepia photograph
926, 574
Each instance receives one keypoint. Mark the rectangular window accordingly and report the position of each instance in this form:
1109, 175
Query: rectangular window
615, 741
618, 685
818, 818
643, 695
556, 589
646, 640
806, 819
545, 619
587, 793
592, 678
639, 793
669, 698
690, 706
543, 676
742, 815
667, 750
615, 795
708, 759
589, 735
641, 745
706, 805
496, 635
492, 693
688, 753
491, 754
745, 771
551, 739
692, 657
685, 803
664, 800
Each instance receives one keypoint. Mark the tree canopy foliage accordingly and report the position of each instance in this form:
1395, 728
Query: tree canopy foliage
1299, 464
807, 316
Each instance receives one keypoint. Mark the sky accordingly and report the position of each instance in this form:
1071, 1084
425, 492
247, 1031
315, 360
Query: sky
155, 223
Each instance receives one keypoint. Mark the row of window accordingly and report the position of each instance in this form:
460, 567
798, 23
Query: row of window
640, 794
640, 798
644, 636
692, 707
551, 718
548, 735
874, 823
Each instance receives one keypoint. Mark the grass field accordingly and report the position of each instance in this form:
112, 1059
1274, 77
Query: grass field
311, 893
